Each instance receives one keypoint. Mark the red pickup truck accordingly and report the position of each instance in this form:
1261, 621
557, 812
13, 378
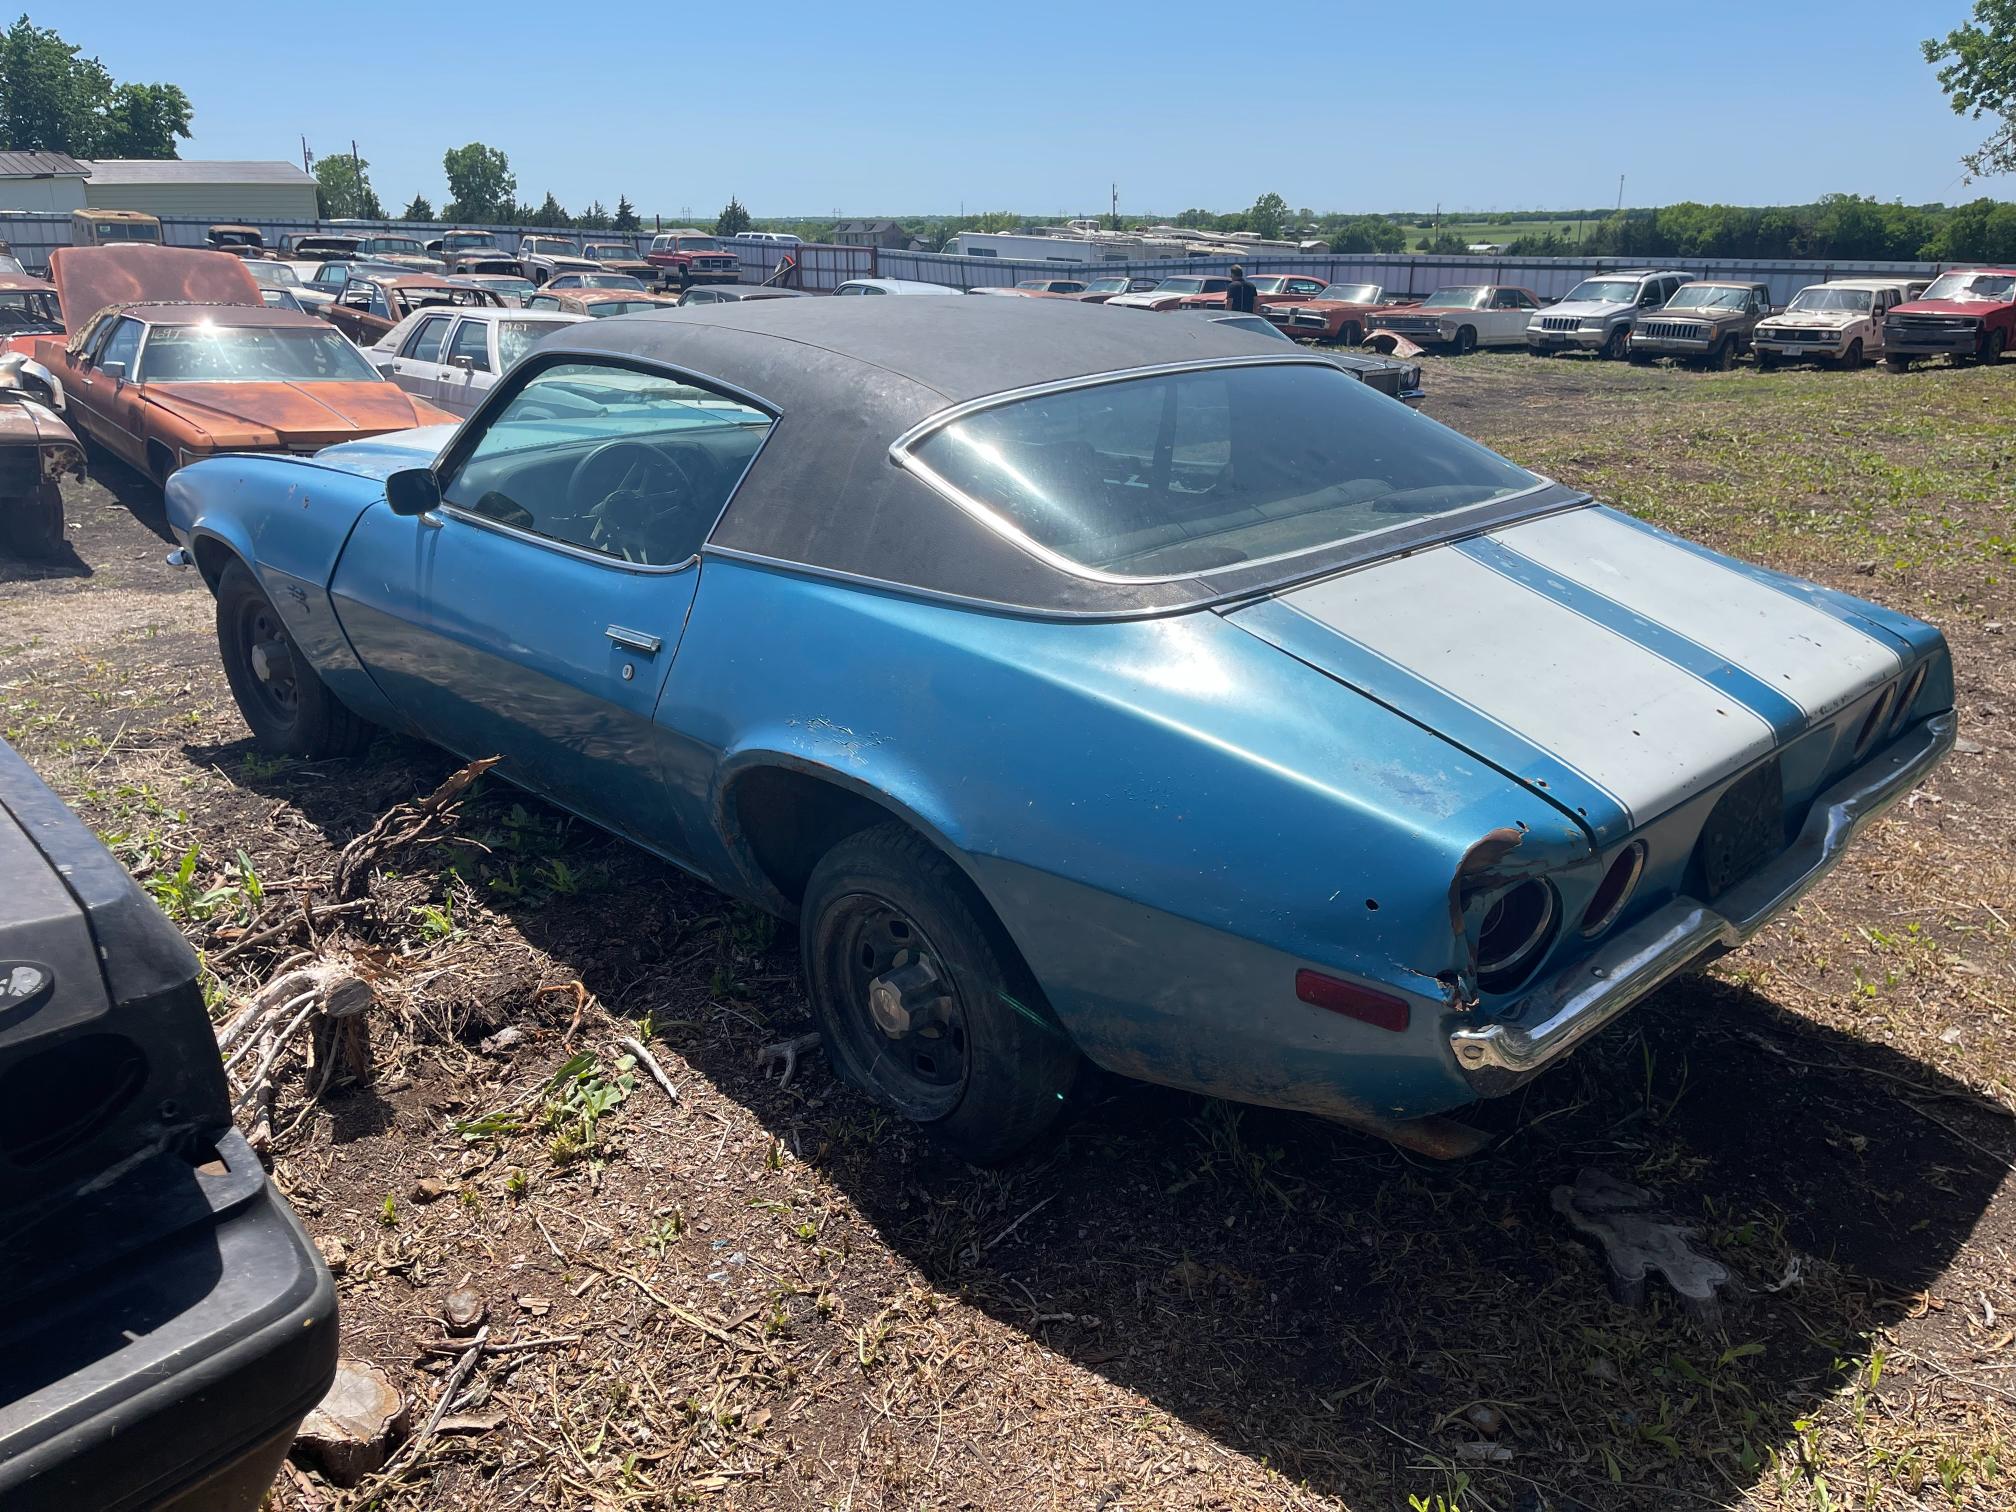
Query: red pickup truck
1968, 314
683, 258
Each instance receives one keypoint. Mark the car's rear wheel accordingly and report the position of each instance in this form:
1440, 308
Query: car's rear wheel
1466, 340
1617, 344
923, 1002
33, 526
290, 710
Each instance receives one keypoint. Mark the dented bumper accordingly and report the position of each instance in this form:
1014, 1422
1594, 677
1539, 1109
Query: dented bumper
1580, 1001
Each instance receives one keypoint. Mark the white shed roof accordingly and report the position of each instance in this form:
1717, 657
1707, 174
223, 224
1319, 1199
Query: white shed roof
107, 171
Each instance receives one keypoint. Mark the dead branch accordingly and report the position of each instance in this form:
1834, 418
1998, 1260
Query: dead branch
788, 1052
404, 824
650, 1063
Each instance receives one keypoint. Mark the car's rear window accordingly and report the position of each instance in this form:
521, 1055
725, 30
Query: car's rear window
1177, 473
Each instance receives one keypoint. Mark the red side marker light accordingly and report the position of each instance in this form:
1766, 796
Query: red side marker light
1379, 1009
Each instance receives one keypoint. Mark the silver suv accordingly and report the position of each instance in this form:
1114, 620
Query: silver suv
1596, 316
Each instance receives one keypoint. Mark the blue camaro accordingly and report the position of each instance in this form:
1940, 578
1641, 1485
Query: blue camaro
1085, 687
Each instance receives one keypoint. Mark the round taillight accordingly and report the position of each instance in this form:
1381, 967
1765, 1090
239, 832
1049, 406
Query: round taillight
1873, 720
1908, 700
1515, 929
1615, 890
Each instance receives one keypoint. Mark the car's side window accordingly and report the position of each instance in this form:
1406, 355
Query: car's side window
542, 302
123, 345
472, 340
424, 345
632, 465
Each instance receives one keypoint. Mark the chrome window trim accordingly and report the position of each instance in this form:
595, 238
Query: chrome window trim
507, 387
903, 455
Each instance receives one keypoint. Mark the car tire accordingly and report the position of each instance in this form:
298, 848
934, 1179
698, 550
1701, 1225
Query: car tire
990, 1073
1616, 345
33, 526
1534, 351
1993, 346
1852, 358
1898, 364
1350, 335
289, 709
1767, 362
1466, 340
1723, 357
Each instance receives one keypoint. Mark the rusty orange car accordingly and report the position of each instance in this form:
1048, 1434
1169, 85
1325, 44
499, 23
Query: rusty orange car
172, 356
370, 304
598, 303
1268, 289
1340, 312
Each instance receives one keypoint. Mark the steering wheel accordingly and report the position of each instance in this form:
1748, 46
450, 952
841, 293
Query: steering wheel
620, 487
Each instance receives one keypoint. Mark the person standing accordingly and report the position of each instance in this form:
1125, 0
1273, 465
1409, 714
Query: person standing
1240, 295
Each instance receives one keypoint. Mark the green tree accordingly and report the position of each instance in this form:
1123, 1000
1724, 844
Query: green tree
1979, 78
143, 121
594, 218
481, 186
1195, 220
1269, 215
418, 210
551, 213
343, 189
51, 98
733, 218
626, 214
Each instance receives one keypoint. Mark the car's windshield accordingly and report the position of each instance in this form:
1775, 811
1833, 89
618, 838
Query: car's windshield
1820, 297
610, 281
1193, 471
1180, 286
467, 241
1351, 293
209, 353
551, 246
1456, 297
698, 244
403, 246
1998, 286
501, 283
1269, 283
604, 308
275, 275
608, 252
1604, 291
1709, 297
515, 337
1108, 286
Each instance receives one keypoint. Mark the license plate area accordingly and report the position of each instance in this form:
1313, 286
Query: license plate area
1745, 829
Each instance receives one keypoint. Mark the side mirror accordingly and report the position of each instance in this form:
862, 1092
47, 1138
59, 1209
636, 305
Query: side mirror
116, 371
413, 491
463, 361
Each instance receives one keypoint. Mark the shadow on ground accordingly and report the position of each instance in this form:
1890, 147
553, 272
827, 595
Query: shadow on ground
1312, 1298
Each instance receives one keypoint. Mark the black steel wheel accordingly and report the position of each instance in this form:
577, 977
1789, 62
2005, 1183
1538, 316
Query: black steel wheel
289, 709
923, 1002
1466, 340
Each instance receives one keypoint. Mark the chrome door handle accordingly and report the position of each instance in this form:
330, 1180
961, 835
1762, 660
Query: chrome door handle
635, 640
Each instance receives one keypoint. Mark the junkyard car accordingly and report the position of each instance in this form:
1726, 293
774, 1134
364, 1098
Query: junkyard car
452, 358
1099, 290
860, 286
618, 257
1337, 312
179, 358
1390, 376
319, 247
399, 252
733, 293
168, 1324
1463, 317
683, 257
599, 304
1268, 289
458, 251
540, 257
1037, 288
562, 281
510, 286
37, 451
1968, 315
1169, 294
1069, 681
371, 304
1596, 316
1707, 322
28, 307
1840, 321
239, 241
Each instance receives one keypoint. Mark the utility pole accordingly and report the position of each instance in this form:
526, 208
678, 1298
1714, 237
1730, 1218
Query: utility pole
307, 157
1620, 194
1114, 218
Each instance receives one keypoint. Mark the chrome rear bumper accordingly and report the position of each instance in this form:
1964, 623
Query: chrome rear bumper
1560, 1015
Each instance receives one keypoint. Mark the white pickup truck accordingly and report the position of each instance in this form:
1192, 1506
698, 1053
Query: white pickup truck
1838, 322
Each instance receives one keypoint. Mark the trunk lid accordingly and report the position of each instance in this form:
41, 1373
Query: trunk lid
1613, 669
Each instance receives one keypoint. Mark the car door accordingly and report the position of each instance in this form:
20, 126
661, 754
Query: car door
469, 369
108, 391
419, 366
1872, 332
1504, 321
347, 313
535, 614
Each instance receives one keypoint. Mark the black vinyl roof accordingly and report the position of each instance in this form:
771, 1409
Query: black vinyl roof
848, 376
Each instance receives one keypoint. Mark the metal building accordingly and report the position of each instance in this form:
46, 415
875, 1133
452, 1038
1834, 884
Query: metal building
222, 191
43, 181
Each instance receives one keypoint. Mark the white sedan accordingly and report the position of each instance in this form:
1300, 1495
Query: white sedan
453, 357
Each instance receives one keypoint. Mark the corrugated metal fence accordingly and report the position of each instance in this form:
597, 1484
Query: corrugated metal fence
821, 266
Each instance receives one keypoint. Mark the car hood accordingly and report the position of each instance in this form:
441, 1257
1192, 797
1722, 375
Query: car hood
299, 410
1613, 669
1586, 309
1950, 307
381, 456
1831, 320
1145, 301
90, 279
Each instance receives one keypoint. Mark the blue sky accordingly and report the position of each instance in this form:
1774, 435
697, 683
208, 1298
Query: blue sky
908, 108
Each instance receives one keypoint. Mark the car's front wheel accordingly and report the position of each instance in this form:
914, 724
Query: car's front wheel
290, 710
1616, 344
1852, 358
1466, 341
922, 1001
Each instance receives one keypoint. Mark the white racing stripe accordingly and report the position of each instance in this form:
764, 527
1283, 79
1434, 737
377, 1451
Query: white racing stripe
1819, 662
1645, 730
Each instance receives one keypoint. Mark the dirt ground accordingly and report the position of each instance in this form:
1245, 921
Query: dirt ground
772, 1295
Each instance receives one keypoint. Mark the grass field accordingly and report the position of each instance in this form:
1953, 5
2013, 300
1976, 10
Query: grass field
771, 1296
